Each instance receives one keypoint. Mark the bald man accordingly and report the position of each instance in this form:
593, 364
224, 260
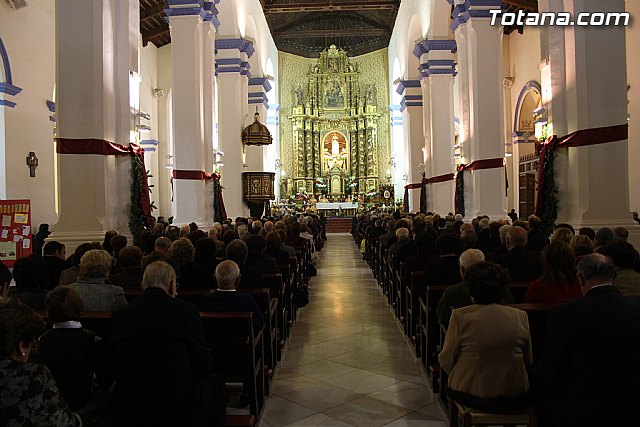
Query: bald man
226, 299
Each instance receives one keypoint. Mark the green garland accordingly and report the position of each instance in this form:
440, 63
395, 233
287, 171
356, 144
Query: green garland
217, 211
549, 204
138, 221
459, 204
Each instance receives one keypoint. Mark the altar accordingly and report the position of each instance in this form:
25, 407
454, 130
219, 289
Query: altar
337, 208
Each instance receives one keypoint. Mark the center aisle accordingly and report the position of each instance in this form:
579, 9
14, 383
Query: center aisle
346, 362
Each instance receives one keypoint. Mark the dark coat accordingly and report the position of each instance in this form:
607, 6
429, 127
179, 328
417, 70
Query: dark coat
33, 297
250, 278
445, 271
232, 301
281, 257
128, 279
264, 263
53, 267
536, 241
73, 356
523, 266
192, 276
163, 367
589, 373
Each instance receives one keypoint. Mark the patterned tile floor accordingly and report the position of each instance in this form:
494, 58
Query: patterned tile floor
347, 362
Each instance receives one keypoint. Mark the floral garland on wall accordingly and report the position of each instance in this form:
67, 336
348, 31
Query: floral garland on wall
547, 203
219, 213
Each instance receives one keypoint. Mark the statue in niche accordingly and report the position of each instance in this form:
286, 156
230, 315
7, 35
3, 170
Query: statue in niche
335, 153
370, 95
299, 96
333, 97
333, 65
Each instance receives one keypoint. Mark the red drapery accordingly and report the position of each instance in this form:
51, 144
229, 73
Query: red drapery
203, 176
107, 148
581, 138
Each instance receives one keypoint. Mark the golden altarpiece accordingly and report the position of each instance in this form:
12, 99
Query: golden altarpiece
335, 130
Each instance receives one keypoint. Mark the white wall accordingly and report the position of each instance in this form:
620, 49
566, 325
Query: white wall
29, 38
633, 79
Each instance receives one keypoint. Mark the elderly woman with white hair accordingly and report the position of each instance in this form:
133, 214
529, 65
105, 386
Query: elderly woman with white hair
96, 293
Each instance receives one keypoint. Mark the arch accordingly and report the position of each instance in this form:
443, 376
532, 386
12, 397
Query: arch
229, 23
440, 19
414, 34
250, 32
396, 74
5, 70
525, 99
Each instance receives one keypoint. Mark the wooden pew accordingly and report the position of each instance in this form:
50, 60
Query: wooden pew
280, 289
237, 352
269, 307
413, 310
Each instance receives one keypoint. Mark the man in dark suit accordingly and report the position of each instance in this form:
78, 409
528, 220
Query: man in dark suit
163, 368
237, 251
523, 266
54, 263
589, 373
445, 271
225, 298
536, 241
403, 247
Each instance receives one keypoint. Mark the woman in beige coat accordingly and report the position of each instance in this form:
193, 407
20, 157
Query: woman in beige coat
487, 348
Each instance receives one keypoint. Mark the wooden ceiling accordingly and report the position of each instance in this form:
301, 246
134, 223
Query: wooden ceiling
153, 26
307, 27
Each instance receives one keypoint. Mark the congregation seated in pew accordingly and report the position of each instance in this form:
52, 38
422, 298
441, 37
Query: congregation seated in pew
96, 293
458, 295
163, 367
523, 266
559, 280
487, 348
226, 299
589, 371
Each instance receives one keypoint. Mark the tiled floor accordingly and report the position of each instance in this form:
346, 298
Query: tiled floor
347, 363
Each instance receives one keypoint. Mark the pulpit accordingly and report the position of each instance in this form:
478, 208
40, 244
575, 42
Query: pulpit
257, 191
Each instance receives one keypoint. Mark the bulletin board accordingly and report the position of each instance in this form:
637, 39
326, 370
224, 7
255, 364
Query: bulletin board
15, 230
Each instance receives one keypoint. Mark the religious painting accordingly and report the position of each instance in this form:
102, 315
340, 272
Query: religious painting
334, 151
333, 96
530, 103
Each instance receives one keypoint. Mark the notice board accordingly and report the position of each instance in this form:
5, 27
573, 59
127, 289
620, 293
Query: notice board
15, 230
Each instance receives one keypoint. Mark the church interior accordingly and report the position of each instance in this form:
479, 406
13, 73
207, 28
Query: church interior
211, 114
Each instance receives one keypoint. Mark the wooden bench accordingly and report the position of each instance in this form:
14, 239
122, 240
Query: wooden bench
464, 416
269, 308
280, 288
240, 421
237, 352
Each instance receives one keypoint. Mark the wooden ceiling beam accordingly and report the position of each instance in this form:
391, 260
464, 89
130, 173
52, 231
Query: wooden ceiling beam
332, 6
526, 5
151, 35
333, 33
152, 13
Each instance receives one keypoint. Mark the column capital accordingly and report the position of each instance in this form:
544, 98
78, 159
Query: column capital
410, 101
403, 85
465, 10
204, 9
260, 81
425, 46
240, 44
257, 98
438, 67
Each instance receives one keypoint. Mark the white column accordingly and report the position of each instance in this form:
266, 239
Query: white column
92, 83
190, 88
210, 25
479, 54
414, 142
438, 69
397, 162
233, 69
588, 85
